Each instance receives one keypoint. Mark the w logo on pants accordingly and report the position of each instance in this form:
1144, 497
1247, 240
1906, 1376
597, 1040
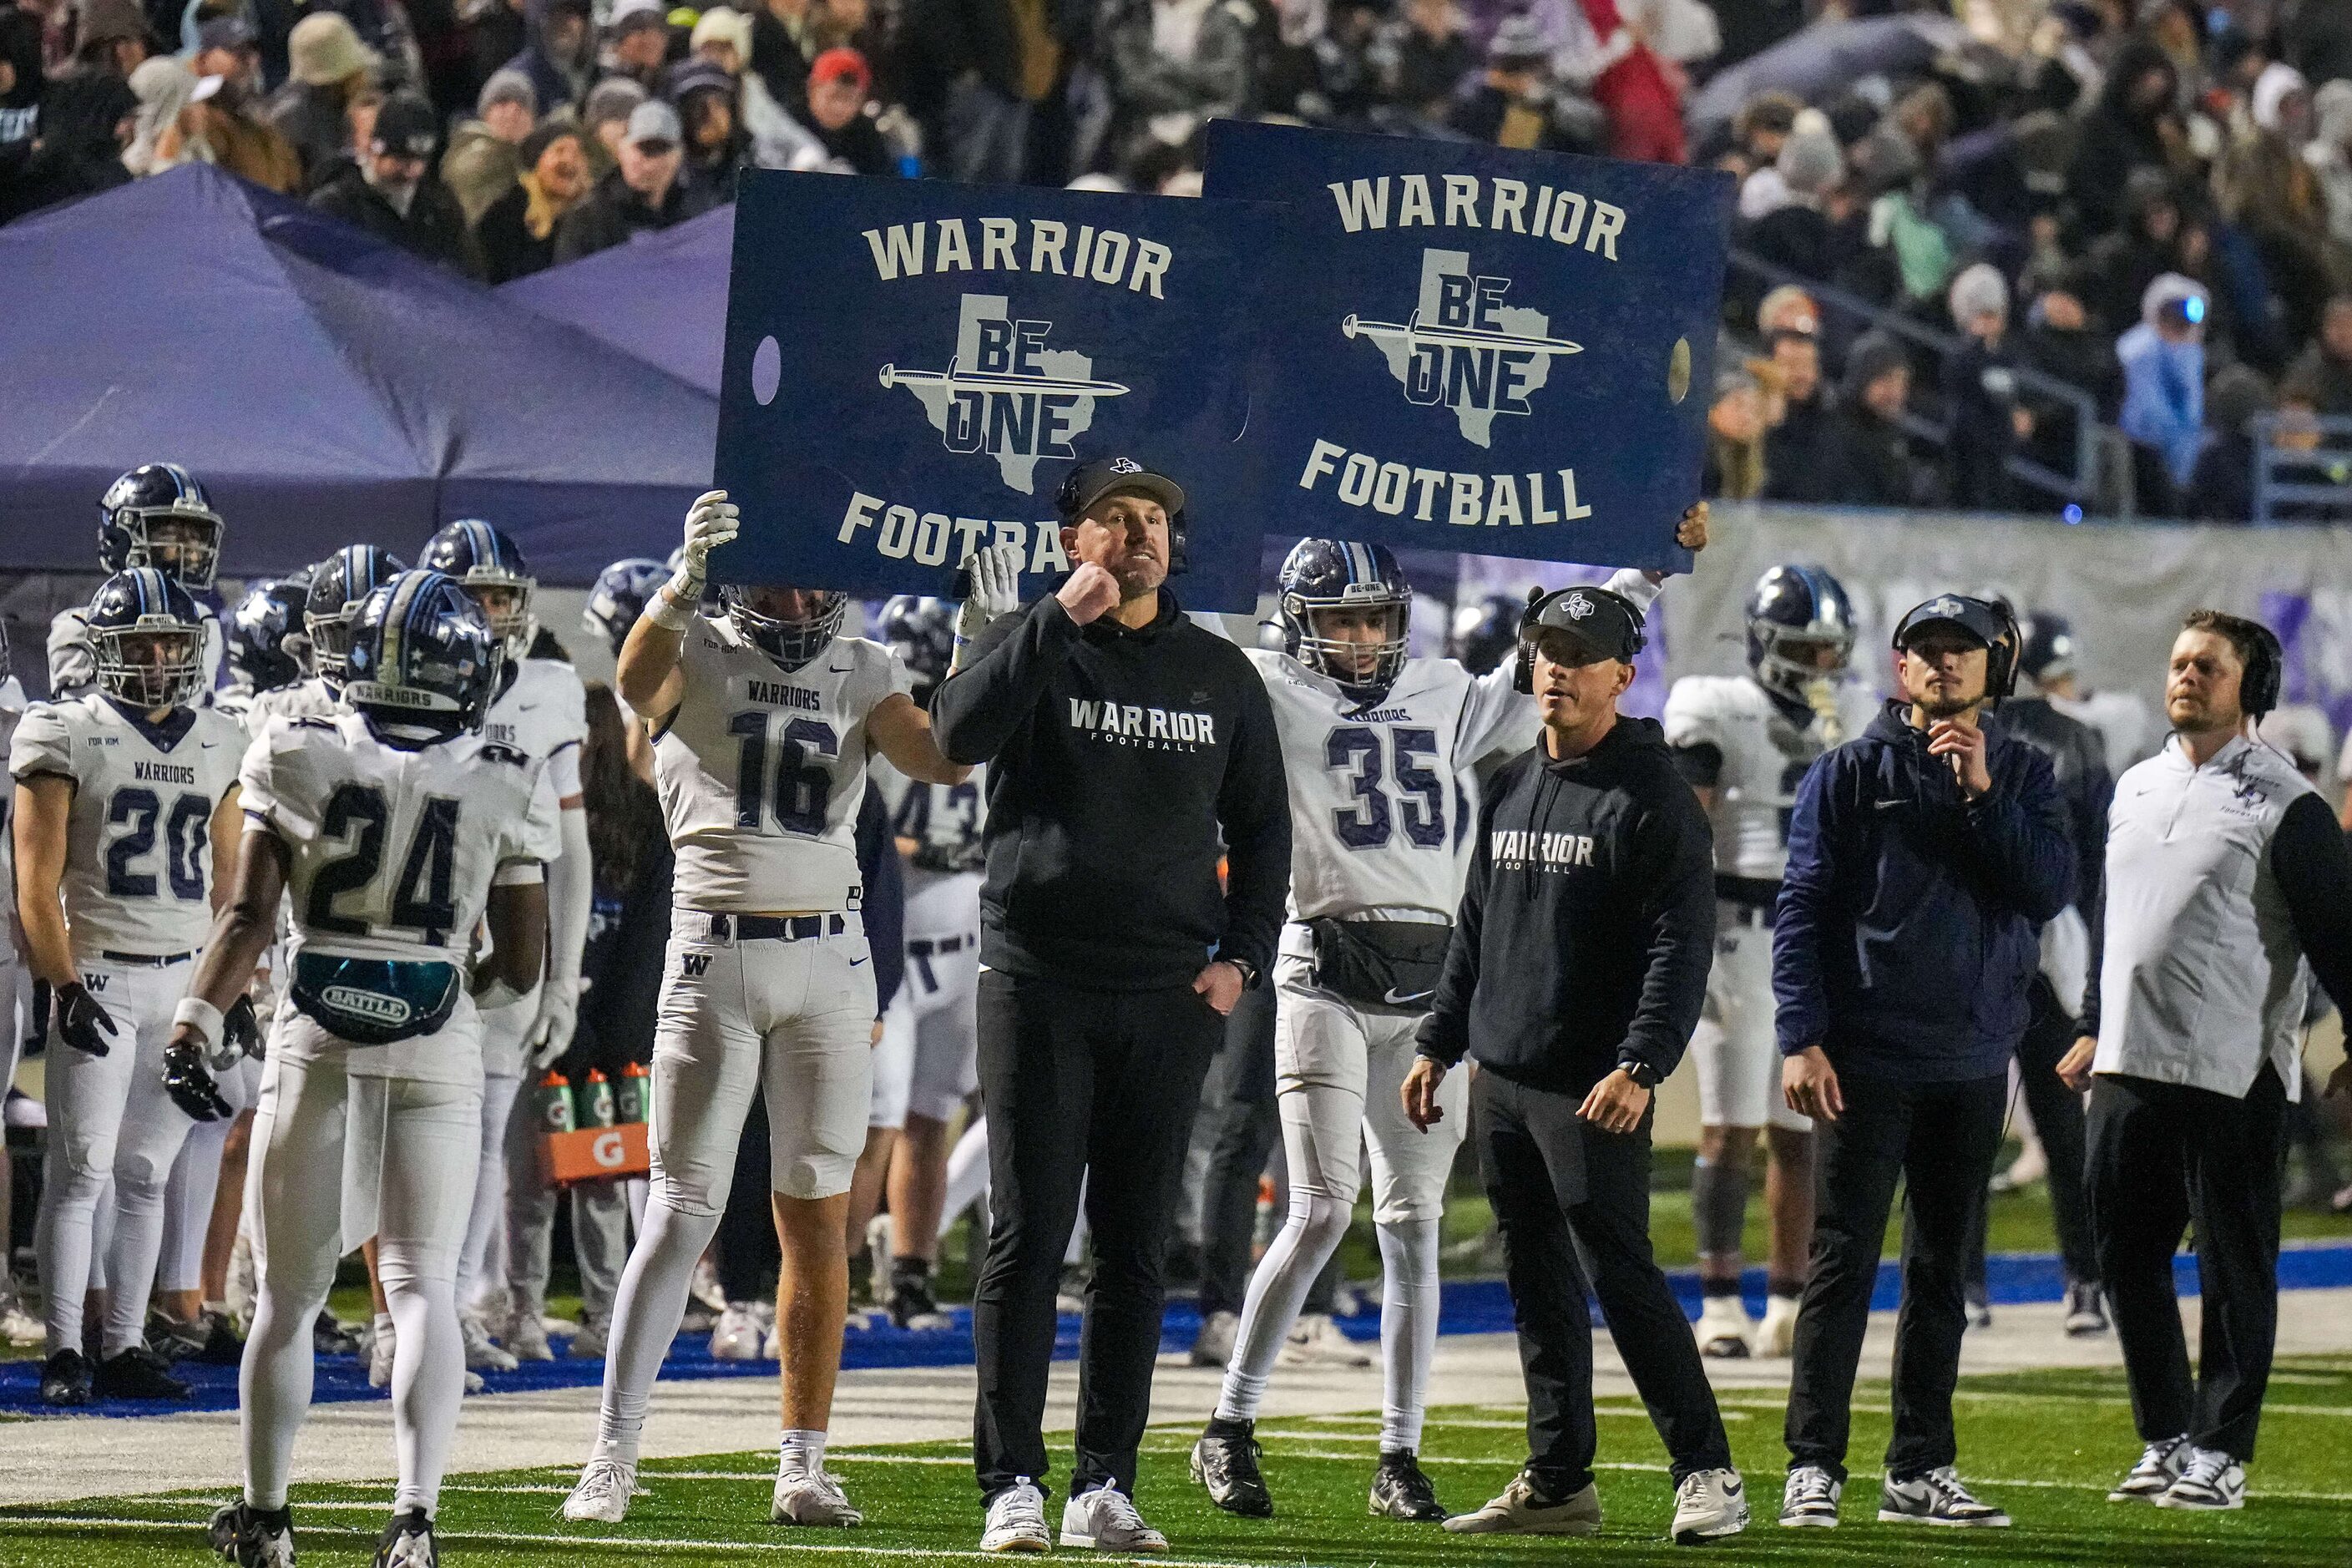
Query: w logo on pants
695, 964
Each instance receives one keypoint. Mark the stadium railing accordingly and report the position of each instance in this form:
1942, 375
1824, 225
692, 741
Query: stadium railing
2298, 483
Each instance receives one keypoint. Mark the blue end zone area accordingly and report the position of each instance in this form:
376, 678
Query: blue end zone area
1468, 1307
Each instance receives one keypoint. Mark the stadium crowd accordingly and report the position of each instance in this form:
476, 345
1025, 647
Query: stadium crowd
2142, 208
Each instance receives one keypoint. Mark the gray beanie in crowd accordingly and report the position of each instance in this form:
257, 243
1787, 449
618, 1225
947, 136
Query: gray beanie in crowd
507, 85
1979, 290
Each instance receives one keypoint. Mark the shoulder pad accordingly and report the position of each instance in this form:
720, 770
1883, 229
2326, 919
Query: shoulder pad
305, 722
494, 752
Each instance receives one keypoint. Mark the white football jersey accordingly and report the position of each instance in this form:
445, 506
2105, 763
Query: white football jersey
309, 698
12, 709
543, 713
391, 851
760, 772
945, 818
1765, 755
138, 875
73, 658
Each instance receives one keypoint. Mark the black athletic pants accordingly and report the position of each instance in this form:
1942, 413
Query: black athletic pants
1075, 1080
2058, 1118
1567, 1197
1939, 1140
749, 1253
1247, 1121
2163, 1155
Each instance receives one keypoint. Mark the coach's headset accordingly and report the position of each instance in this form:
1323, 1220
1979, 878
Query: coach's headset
1084, 484
2265, 673
1989, 618
1567, 608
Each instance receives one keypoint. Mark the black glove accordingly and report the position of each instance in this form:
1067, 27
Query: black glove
80, 1019
190, 1083
241, 1028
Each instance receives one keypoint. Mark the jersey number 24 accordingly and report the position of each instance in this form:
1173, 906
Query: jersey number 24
346, 895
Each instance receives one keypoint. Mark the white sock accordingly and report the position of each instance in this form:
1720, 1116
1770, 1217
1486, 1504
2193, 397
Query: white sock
800, 1448
428, 1375
1408, 1328
131, 1256
64, 1242
273, 1386
1278, 1292
646, 1316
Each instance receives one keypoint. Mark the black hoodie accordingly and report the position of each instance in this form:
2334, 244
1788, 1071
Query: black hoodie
1588, 926
1120, 763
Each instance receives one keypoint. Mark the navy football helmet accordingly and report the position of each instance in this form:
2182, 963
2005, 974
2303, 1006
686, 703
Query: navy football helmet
792, 641
487, 563
1794, 612
1325, 575
149, 638
422, 655
621, 592
2050, 651
339, 586
265, 631
1485, 632
157, 515
921, 632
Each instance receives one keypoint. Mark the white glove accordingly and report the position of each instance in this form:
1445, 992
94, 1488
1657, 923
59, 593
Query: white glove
551, 1032
711, 522
995, 578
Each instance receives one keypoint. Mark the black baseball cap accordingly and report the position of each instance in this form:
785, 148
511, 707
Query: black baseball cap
1603, 622
224, 33
1974, 616
1090, 482
405, 125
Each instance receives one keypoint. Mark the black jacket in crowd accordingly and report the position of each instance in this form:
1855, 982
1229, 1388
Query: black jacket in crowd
613, 213
1586, 931
1119, 764
434, 226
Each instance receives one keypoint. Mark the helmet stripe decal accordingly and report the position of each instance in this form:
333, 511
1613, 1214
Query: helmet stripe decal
396, 624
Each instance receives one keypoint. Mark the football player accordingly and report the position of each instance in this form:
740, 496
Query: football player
126, 802
1744, 740
14, 987
620, 595
338, 586
156, 515
268, 643
1374, 744
541, 710
928, 1066
764, 720
394, 827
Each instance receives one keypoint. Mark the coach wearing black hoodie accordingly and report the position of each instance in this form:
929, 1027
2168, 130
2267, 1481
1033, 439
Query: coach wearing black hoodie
1126, 750
1576, 972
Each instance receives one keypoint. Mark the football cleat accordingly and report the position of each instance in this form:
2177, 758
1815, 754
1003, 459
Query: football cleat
1226, 1464
253, 1537
1724, 1331
811, 1497
601, 1494
136, 1373
407, 1542
1400, 1491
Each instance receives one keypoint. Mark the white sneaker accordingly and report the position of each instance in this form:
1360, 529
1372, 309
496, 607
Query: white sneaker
474, 1384
812, 1497
1318, 1341
1709, 1505
738, 1334
704, 1288
527, 1339
1777, 1334
591, 1341
602, 1496
1105, 1520
1213, 1345
1016, 1521
1521, 1511
19, 1327
2159, 1466
1723, 1328
480, 1354
2210, 1480
379, 1354
1939, 1497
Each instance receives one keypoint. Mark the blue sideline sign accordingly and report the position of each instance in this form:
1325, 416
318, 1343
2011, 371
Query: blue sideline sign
1481, 350
912, 367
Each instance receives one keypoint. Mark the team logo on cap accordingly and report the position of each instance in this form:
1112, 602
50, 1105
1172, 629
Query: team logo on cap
1004, 394
1578, 606
1946, 605
1462, 348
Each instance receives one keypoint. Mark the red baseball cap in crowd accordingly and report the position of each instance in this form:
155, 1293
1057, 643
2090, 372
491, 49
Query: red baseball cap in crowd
842, 64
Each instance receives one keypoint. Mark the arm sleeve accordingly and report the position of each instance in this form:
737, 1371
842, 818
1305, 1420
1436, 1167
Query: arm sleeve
1497, 718
1014, 661
2094, 792
1445, 1034
537, 835
1633, 585
1675, 861
1802, 1011
1254, 809
2023, 839
884, 906
2313, 868
73, 661
571, 888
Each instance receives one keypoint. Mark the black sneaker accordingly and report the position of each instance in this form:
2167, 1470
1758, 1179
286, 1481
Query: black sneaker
1400, 1491
407, 1542
208, 1338
912, 1305
2086, 1314
1226, 1464
1936, 1498
136, 1373
329, 1337
65, 1379
253, 1537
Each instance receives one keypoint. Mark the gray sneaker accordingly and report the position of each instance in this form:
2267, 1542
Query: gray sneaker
2160, 1464
1808, 1500
1521, 1509
1709, 1505
1936, 1498
1105, 1520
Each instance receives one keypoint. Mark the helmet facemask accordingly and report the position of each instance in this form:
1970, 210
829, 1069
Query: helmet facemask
505, 597
791, 642
183, 545
331, 641
1357, 665
156, 662
1789, 660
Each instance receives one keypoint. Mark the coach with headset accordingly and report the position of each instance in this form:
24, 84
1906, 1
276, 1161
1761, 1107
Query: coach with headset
1922, 857
2225, 874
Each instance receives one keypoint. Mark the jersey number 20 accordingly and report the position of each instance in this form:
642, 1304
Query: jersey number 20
185, 835
344, 895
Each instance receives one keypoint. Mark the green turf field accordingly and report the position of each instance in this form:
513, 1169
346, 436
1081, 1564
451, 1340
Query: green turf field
2044, 1444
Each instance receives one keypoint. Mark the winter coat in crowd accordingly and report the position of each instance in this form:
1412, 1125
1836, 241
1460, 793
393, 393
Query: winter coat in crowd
557, 78
2164, 397
432, 226
614, 211
1182, 59
2122, 132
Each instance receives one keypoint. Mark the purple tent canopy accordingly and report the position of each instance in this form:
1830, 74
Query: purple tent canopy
661, 297
325, 387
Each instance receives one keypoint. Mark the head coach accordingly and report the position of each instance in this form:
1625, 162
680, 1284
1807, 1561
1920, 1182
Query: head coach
2225, 875
1128, 750
1923, 859
1576, 971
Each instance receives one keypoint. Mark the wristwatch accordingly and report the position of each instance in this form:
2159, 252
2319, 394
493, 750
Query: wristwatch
1248, 972
1644, 1074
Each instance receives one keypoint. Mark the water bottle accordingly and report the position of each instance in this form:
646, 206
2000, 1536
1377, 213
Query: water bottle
599, 1098
631, 1096
555, 1113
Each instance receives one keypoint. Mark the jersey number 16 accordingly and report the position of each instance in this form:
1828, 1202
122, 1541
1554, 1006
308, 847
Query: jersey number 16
799, 784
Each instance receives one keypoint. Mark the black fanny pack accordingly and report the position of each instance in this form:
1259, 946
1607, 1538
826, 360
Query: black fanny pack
1388, 964
373, 1000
